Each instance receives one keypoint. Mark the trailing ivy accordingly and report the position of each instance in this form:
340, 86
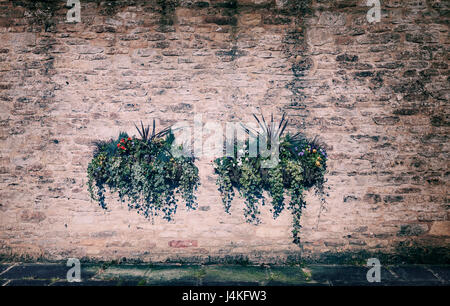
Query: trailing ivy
301, 165
144, 173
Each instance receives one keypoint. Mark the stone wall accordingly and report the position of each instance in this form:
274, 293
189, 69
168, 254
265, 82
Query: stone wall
376, 93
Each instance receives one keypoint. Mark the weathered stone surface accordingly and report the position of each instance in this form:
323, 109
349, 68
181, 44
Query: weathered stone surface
32, 216
183, 243
412, 230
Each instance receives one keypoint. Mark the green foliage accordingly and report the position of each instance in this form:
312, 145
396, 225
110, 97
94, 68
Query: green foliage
144, 173
301, 166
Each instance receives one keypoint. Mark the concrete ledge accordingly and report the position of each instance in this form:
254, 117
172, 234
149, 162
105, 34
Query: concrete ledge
30, 274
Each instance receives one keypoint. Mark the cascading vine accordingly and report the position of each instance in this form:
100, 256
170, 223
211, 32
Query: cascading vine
301, 165
144, 173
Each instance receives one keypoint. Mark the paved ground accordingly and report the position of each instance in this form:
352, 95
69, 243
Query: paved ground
51, 274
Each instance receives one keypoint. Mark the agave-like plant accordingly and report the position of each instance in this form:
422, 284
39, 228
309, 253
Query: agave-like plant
271, 130
144, 132
268, 131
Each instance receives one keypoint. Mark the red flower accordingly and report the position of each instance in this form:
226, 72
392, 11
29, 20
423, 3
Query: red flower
122, 147
118, 145
122, 140
129, 138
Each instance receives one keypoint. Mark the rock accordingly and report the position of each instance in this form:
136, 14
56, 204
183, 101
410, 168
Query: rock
32, 216
412, 230
183, 243
440, 228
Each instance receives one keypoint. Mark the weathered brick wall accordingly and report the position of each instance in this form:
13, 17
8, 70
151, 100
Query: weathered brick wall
377, 94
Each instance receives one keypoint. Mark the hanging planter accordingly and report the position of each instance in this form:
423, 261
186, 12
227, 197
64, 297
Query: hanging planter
143, 172
300, 165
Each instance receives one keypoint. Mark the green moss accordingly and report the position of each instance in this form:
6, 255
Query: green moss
237, 260
142, 282
403, 254
293, 275
234, 273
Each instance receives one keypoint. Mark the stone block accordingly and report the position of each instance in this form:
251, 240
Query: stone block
440, 228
